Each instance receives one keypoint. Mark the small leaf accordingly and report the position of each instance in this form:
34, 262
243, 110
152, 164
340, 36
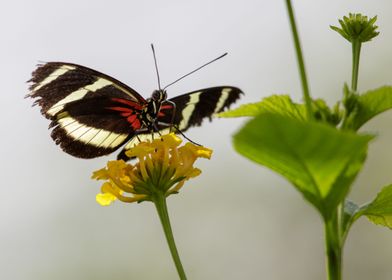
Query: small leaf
323, 113
379, 211
369, 105
279, 104
318, 159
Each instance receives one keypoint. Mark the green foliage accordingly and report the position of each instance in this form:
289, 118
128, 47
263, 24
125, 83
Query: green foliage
323, 113
368, 105
379, 211
318, 159
357, 27
318, 148
278, 104
283, 105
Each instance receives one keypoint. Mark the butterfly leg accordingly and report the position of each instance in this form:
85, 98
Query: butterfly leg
183, 135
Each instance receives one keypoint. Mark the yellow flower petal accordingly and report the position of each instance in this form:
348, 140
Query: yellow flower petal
105, 199
109, 187
194, 172
171, 140
140, 150
100, 174
198, 151
116, 168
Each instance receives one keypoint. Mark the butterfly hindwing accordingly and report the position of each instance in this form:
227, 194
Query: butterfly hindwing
92, 114
193, 107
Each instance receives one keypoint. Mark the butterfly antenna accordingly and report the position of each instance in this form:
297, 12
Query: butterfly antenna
182, 77
156, 66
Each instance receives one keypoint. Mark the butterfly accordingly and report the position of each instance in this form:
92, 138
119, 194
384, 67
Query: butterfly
93, 114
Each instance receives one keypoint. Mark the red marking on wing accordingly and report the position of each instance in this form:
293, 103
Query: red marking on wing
131, 118
130, 103
136, 124
125, 112
130, 114
167, 106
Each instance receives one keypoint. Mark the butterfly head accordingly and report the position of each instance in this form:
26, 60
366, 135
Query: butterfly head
159, 95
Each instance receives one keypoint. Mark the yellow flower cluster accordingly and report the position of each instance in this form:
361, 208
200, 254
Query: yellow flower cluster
161, 165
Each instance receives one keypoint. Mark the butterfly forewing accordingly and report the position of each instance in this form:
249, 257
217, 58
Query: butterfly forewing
92, 114
57, 83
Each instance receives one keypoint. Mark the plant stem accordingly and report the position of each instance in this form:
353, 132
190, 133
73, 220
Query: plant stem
356, 47
333, 248
301, 64
161, 206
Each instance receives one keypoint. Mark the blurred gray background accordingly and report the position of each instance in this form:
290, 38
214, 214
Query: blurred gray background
237, 220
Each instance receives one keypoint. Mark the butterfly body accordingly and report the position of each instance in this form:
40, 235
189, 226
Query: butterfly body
151, 111
93, 114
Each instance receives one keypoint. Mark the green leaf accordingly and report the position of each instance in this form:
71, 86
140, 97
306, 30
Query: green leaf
369, 105
379, 211
283, 105
279, 104
318, 159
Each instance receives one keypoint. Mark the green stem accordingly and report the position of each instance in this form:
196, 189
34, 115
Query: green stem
356, 47
161, 206
301, 64
333, 248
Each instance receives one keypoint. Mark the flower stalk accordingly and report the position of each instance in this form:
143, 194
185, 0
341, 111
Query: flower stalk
333, 249
301, 63
356, 49
161, 206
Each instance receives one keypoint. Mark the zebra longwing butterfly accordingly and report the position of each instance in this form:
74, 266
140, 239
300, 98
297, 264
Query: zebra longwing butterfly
93, 114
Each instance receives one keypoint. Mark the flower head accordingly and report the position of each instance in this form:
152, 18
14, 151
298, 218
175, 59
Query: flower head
162, 165
357, 27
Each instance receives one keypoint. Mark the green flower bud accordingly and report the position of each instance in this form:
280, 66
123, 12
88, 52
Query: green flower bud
357, 27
